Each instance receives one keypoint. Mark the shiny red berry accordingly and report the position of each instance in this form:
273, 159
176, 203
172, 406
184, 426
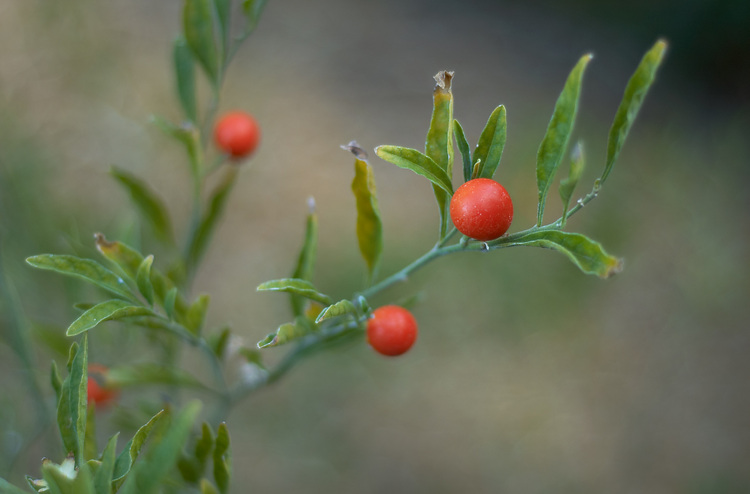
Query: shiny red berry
237, 134
481, 209
392, 330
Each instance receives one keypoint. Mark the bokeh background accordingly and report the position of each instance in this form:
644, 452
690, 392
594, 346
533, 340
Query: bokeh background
529, 376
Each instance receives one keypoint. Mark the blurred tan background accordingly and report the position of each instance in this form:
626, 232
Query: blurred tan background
529, 377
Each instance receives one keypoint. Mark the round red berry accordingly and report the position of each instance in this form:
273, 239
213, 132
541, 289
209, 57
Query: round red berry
481, 209
237, 134
392, 330
98, 394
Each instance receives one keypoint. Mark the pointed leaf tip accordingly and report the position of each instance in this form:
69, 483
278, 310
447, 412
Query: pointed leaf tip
354, 148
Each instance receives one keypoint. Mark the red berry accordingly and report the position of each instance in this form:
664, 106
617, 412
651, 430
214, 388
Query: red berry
99, 395
392, 330
482, 209
237, 134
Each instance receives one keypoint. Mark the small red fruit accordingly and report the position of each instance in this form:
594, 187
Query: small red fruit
237, 134
481, 209
99, 395
392, 330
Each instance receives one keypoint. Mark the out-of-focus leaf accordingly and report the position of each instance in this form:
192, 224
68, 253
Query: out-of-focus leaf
67, 479
8, 488
588, 255
150, 374
369, 225
184, 68
146, 476
555, 141
463, 147
306, 260
148, 203
188, 136
198, 25
303, 288
288, 332
253, 9
103, 475
55, 379
340, 308
204, 446
635, 92
223, 10
439, 142
106, 311
421, 164
491, 143
222, 459
207, 487
568, 185
52, 336
127, 458
169, 302
196, 314
218, 342
202, 234
143, 279
253, 357
85, 269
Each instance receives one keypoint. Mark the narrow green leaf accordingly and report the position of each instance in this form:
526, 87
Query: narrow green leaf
8, 488
68, 479
369, 225
463, 147
413, 160
218, 342
204, 446
223, 11
78, 385
196, 314
491, 143
188, 136
169, 302
288, 332
568, 185
198, 24
306, 259
302, 288
150, 374
202, 234
222, 459
85, 269
143, 279
106, 311
146, 476
253, 9
103, 475
585, 253
635, 92
340, 308
127, 458
184, 68
89, 443
555, 141
439, 142
56, 380
253, 357
150, 205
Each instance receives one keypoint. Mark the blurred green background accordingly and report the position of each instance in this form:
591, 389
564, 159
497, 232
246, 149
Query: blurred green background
529, 376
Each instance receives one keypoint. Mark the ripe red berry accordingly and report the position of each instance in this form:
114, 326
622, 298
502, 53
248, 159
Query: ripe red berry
237, 134
99, 395
481, 209
392, 330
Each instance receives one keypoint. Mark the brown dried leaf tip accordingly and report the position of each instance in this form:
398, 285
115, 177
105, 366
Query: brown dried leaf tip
443, 80
356, 150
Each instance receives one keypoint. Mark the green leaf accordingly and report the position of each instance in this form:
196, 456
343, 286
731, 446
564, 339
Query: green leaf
188, 136
223, 11
340, 308
56, 380
106, 311
71, 407
306, 260
196, 314
219, 341
85, 269
558, 133
127, 458
463, 147
89, 442
198, 24
8, 488
288, 332
143, 279
491, 143
588, 255
413, 160
568, 185
146, 476
184, 68
207, 487
303, 288
169, 302
439, 142
204, 446
103, 475
635, 92
222, 459
202, 234
67, 478
369, 225
253, 9
151, 374
148, 203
